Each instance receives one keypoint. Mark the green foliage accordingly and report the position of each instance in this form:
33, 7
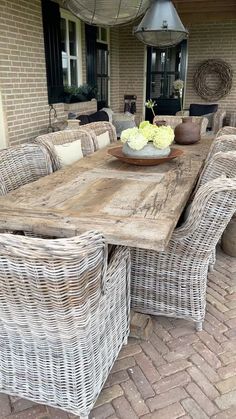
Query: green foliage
82, 93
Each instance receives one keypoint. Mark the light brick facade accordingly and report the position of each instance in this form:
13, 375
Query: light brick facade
212, 40
23, 89
22, 70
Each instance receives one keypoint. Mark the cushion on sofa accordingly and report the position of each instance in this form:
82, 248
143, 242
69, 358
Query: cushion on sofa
69, 153
199, 109
103, 139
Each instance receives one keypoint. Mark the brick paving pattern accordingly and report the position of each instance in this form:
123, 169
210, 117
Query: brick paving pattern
178, 373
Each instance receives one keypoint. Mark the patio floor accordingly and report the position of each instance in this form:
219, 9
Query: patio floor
179, 373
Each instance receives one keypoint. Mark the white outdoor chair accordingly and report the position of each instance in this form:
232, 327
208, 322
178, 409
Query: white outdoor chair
64, 316
173, 283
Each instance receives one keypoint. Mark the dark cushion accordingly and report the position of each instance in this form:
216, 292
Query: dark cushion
199, 109
94, 117
83, 119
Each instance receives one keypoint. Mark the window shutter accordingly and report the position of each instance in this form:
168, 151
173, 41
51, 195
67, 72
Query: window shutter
91, 52
52, 42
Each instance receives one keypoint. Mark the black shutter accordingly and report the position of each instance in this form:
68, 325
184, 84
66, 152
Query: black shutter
91, 53
52, 42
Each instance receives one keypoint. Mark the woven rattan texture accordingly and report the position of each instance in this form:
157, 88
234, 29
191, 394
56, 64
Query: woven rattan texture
21, 165
227, 130
63, 137
201, 84
97, 128
64, 315
173, 283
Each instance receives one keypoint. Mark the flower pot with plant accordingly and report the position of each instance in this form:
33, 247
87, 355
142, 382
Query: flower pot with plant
147, 141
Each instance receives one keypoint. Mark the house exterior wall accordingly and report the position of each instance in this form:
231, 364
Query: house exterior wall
211, 40
22, 71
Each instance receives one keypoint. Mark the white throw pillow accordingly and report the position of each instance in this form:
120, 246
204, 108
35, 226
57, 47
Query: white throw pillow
103, 139
69, 153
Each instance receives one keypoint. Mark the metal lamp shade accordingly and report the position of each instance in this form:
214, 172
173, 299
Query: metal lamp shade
107, 12
161, 26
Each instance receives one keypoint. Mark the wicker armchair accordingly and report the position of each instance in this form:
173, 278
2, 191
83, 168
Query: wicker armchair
173, 283
64, 316
63, 137
21, 165
218, 119
97, 128
175, 120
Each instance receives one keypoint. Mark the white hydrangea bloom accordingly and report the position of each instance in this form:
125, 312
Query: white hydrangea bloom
128, 134
164, 136
137, 142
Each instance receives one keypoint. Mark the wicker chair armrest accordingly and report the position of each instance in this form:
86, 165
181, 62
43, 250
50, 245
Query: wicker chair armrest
120, 259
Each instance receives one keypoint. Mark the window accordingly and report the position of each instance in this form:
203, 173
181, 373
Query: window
71, 50
102, 34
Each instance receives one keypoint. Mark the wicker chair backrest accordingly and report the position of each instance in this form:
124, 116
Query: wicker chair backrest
223, 143
227, 130
50, 287
211, 210
219, 164
21, 165
63, 137
97, 128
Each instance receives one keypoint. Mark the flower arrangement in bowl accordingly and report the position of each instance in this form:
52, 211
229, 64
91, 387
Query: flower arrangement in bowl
147, 141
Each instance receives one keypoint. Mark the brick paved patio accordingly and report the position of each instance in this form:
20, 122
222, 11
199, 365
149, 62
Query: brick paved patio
177, 374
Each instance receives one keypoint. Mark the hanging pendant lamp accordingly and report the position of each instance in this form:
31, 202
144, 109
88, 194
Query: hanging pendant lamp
161, 26
107, 12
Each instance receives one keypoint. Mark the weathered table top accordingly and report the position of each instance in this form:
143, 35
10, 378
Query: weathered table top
130, 205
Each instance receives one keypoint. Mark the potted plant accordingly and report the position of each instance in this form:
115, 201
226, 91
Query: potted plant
147, 141
83, 93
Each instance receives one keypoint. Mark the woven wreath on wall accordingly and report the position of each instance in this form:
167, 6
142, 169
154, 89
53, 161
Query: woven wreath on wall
213, 79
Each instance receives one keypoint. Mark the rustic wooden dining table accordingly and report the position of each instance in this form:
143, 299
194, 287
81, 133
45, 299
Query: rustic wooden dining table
131, 205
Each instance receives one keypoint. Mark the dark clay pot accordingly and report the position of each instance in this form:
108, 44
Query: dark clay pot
187, 132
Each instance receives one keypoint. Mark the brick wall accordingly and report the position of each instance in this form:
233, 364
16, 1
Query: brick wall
211, 40
22, 70
127, 69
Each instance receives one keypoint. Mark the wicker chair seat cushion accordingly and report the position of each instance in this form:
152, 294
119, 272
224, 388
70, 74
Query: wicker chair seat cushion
69, 153
103, 140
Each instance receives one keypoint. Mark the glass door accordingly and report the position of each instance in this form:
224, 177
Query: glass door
102, 75
163, 67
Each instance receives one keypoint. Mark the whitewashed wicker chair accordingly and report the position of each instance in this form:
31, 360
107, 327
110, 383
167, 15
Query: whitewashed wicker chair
220, 160
174, 120
64, 316
173, 283
22, 164
62, 137
97, 128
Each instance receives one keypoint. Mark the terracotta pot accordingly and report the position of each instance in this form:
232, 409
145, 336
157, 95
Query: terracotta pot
188, 132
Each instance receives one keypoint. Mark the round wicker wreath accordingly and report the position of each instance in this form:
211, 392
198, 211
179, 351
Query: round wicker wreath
223, 71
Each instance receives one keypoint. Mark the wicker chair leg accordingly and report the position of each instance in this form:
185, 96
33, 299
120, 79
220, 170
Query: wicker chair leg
198, 326
125, 341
